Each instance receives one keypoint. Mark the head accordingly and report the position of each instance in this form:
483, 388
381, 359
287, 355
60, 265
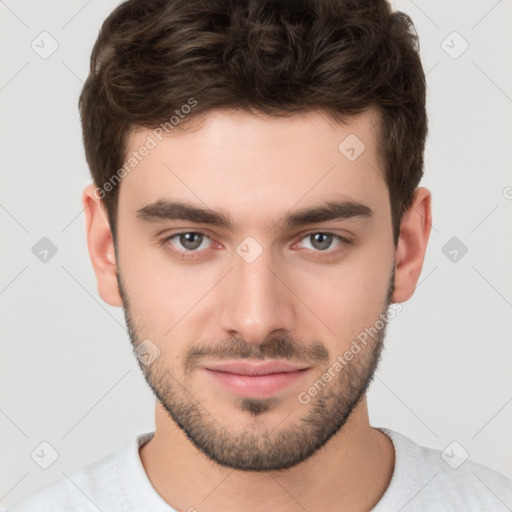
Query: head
256, 168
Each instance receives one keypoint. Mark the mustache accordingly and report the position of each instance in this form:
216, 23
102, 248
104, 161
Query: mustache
283, 347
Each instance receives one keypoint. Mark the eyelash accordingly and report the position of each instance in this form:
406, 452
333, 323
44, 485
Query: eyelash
193, 254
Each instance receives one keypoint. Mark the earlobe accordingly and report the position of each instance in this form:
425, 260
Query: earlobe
101, 247
412, 245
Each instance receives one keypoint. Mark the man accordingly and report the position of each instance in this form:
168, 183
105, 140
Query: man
256, 212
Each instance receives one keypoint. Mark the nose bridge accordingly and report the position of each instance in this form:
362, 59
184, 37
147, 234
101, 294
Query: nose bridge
255, 302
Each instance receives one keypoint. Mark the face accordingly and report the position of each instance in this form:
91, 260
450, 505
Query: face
252, 255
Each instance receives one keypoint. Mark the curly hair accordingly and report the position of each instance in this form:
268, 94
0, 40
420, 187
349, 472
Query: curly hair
277, 57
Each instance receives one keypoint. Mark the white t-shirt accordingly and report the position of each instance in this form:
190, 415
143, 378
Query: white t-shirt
422, 481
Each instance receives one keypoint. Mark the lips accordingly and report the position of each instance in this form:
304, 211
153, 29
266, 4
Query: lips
255, 379
255, 368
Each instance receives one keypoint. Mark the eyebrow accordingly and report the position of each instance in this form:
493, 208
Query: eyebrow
163, 210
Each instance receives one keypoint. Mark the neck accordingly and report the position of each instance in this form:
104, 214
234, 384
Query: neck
351, 472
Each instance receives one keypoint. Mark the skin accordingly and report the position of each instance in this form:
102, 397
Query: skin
267, 167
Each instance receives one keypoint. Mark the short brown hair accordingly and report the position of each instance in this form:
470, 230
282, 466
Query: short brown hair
273, 56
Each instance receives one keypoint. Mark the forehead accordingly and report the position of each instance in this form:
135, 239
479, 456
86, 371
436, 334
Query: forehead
247, 163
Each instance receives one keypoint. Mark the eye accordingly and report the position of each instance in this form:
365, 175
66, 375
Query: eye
186, 242
189, 244
321, 241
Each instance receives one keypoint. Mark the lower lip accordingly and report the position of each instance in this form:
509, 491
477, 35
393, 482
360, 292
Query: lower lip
256, 386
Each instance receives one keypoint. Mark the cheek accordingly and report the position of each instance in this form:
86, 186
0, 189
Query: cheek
146, 282
161, 292
351, 295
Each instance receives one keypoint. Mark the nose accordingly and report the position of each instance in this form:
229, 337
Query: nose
257, 302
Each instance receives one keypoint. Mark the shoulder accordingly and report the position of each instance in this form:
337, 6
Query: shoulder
84, 490
430, 479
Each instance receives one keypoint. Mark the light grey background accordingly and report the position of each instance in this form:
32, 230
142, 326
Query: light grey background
67, 374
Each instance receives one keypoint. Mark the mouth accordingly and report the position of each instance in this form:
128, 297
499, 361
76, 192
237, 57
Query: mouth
261, 379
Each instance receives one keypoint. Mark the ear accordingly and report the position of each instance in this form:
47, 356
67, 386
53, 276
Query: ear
101, 246
412, 244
